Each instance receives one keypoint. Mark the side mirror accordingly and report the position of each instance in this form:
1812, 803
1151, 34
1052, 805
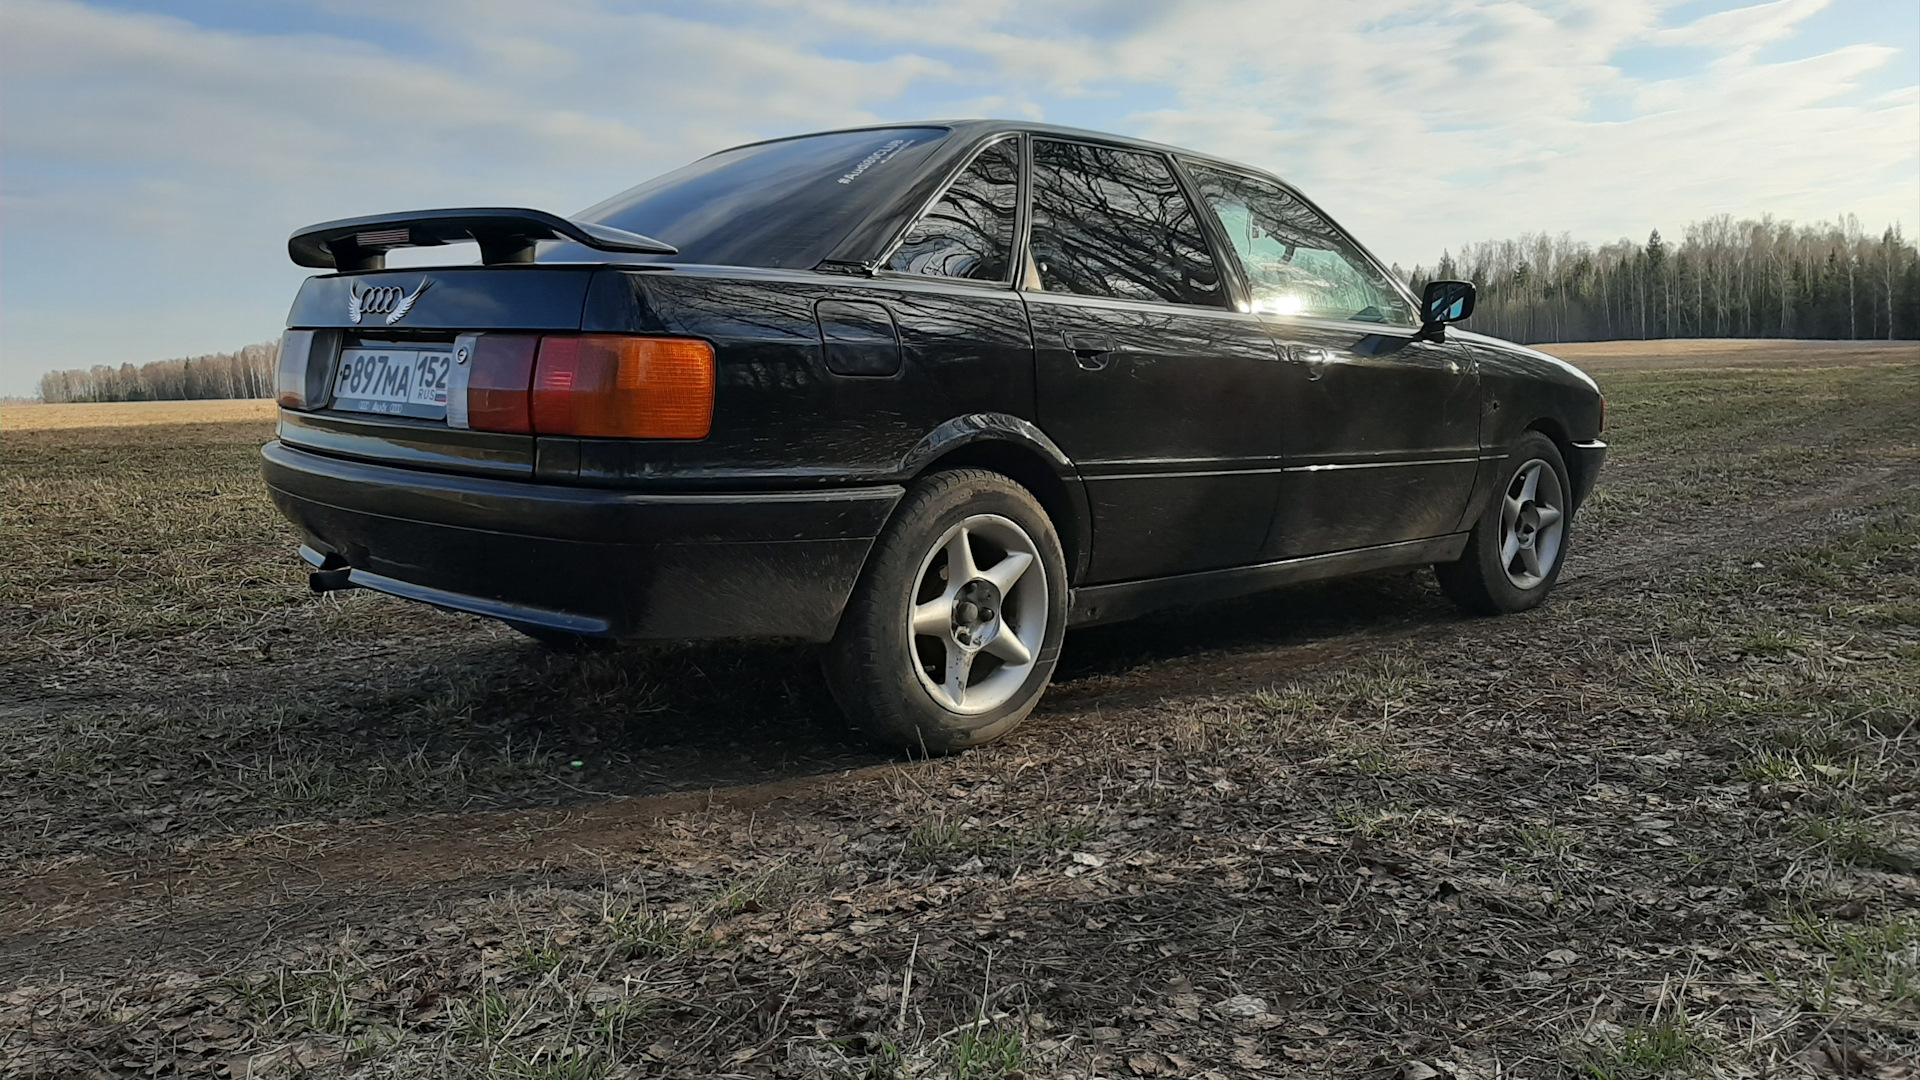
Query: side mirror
1445, 302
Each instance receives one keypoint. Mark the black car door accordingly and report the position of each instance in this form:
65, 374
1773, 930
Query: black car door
1382, 428
1166, 399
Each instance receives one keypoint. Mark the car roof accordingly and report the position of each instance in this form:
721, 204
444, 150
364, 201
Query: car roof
973, 130
863, 242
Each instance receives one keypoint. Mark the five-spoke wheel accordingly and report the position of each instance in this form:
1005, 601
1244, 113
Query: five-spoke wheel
951, 635
980, 614
1516, 549
1532, 520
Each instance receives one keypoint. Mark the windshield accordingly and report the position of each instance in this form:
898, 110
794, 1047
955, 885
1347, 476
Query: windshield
777, 204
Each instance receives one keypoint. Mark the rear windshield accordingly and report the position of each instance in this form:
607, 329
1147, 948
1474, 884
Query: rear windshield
777, 204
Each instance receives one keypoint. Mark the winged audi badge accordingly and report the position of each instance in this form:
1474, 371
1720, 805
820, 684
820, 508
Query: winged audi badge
390, 300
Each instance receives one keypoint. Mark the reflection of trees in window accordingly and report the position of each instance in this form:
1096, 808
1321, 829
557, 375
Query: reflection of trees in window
968, 233
1113, 223
1296, 263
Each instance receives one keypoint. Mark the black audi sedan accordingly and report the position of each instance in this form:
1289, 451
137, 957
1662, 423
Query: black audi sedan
926, 394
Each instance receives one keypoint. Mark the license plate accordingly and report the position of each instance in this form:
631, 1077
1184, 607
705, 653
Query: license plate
394, 380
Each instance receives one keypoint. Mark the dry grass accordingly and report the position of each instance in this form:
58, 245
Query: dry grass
1666, 826
35, 416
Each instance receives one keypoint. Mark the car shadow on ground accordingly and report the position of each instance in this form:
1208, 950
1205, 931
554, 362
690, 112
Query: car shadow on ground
1294, 616
449, 713
460, 714
646, 719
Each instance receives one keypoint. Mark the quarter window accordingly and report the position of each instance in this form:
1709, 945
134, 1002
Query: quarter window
968, 233
1110, 222
1297, 263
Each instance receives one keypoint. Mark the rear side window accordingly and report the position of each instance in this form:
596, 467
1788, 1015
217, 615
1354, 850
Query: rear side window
1297, 263
777, 204
1110, 222
968, 231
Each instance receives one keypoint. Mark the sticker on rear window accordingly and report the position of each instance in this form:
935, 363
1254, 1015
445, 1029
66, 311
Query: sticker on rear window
887, 150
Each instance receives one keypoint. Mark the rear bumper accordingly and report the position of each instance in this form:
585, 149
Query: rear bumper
1585, 467
623, 564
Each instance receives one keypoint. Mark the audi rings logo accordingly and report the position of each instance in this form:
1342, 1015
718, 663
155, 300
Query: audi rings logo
390, 300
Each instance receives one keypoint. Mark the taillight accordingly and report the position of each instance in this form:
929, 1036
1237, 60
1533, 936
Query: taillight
290, 374
497, 385
613, 386
302, 376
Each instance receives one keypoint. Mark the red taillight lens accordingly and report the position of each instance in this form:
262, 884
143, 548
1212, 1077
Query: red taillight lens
290, 377
497, 388
612, 386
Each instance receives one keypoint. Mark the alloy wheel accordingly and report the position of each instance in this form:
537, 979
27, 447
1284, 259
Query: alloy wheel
1533, 522
978, 614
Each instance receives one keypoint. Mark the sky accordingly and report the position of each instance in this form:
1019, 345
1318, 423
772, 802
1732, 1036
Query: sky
155, 155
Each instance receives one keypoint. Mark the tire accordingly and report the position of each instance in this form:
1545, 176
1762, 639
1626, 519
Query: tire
1517, 548
933, 665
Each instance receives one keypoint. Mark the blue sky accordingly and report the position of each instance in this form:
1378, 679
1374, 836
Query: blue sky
154, 156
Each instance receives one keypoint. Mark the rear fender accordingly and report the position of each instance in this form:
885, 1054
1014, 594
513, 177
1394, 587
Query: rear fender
1022, 452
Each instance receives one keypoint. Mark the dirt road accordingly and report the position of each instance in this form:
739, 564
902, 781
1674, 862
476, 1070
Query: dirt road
1666, 823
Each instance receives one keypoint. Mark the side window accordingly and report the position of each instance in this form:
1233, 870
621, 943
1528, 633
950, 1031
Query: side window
1114, 223
1296, 262
968, 233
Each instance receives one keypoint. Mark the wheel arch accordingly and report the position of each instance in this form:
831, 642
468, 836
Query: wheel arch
1022, 453
1557, 432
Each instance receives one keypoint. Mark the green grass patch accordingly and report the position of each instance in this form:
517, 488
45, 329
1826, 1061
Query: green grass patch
1663, 1048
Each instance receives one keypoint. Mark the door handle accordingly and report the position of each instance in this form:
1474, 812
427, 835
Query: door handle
1091, 351
1314, 357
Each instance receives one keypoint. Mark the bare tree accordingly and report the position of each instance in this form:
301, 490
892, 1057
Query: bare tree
244, 373
1758, 278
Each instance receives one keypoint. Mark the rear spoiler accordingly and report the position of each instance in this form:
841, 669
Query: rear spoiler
506, 235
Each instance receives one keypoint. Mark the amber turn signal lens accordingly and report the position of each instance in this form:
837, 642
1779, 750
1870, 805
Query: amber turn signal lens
613, 386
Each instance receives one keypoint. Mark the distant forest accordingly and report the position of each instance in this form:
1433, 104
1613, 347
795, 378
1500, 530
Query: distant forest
1725, 278
247, 373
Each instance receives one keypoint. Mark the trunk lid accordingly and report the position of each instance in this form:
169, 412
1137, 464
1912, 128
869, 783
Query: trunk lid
409, 315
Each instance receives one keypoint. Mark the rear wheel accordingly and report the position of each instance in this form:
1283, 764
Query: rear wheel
952, 633
1517, 548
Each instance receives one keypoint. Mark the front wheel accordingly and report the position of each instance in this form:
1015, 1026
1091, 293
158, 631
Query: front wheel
1517, 548
952, 633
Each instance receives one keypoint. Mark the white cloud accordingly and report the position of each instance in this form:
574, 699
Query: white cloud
1745, 28
154, 166
1423, 126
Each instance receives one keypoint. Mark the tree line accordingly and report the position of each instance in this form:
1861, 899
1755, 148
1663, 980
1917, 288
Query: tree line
245, 373
1725, 278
